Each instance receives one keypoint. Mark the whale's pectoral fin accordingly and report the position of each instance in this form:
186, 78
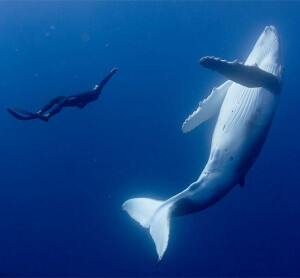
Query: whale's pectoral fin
250, 76
207, 108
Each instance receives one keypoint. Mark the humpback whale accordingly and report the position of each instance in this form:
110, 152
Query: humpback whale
246, 103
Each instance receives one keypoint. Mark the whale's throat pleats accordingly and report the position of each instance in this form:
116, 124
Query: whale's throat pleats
266, 52
243, 105
240, 108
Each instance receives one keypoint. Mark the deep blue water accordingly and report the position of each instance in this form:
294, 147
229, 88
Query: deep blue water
63, 182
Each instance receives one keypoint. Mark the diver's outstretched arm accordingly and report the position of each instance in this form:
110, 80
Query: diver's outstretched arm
98, 88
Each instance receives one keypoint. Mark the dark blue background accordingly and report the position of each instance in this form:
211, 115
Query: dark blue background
62, 183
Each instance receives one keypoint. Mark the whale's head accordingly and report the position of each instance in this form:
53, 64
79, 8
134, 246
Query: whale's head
266, 53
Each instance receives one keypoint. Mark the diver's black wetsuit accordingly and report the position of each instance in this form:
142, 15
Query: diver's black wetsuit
79, 100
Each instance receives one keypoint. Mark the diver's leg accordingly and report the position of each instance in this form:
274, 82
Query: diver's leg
56, 109
98, 88
50, 104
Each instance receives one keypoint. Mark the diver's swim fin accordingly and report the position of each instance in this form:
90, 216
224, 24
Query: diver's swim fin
30, 116
19, 117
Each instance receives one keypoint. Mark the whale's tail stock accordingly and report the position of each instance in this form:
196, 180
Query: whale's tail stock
154, 215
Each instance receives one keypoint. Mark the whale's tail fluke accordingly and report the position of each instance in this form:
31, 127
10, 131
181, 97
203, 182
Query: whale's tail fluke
154, 215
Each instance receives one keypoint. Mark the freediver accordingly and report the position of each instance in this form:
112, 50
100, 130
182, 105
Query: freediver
79, 100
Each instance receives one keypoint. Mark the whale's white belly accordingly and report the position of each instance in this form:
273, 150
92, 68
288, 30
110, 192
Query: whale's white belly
242, 126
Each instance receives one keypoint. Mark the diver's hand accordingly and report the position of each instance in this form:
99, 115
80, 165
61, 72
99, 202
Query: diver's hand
114, 69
